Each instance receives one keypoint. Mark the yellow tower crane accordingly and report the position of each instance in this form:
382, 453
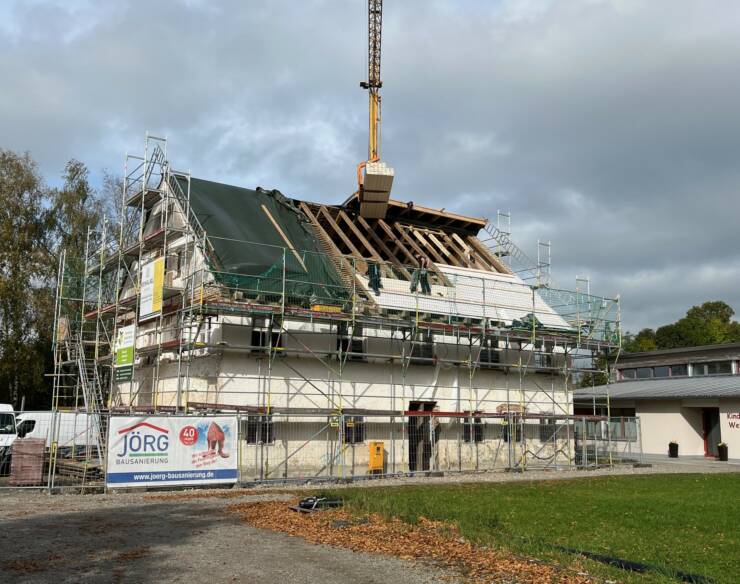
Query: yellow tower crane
374, 177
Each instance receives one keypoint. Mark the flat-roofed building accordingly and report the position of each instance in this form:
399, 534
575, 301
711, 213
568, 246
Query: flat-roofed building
688, 395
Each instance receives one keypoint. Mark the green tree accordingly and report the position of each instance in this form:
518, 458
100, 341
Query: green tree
708, 324
76, 208
645, 340
36, 224
25, 278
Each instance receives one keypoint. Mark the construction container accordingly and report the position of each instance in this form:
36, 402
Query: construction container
376, 460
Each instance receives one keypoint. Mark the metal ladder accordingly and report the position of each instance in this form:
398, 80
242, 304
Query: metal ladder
92, 393
520, 263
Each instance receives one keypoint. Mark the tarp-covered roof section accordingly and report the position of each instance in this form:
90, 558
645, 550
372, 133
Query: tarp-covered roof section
232, 217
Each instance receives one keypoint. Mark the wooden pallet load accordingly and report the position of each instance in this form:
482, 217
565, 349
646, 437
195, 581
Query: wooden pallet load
27, 465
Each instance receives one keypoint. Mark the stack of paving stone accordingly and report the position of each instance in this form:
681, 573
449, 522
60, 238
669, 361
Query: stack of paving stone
27, 464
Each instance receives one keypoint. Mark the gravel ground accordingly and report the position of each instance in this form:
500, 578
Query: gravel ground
139, 538
189, 537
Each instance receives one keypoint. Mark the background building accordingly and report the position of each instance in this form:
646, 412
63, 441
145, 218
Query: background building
689, 395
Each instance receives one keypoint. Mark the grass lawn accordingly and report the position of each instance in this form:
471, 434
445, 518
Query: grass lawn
688, 523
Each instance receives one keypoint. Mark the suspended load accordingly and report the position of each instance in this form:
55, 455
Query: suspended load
377, 181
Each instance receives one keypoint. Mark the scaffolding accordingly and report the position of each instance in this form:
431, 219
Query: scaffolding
448, 356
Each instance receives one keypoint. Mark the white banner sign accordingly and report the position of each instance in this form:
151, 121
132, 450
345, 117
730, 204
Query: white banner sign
171, 450
152, 282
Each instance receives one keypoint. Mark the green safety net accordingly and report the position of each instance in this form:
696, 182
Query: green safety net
248, 250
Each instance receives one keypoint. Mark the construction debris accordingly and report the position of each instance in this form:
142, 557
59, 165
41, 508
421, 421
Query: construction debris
312, 504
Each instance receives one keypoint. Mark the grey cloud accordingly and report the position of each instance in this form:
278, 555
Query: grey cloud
607, 127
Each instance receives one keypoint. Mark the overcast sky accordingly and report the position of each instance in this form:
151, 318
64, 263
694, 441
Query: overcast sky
611, 128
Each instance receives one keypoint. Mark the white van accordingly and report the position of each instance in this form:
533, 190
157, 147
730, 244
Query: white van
70, 430
7, 436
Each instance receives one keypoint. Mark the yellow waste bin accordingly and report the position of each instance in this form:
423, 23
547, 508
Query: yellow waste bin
376, 460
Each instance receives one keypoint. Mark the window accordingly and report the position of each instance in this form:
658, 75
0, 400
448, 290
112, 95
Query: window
7, 424
679, 370
548, 429
472, 428
354, 348
26, 427
422, 351
719, 368
715, 368
542, 359
662, 371
644, 372
354, 429
506, 433
262, 339
490, 354
628, 373
258, 429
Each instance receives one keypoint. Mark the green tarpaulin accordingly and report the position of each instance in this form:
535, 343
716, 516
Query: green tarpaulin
248, 249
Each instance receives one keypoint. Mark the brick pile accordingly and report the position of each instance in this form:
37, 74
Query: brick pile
27, 464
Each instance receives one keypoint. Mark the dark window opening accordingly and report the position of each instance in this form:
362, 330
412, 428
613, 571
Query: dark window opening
548, 429
422, 351
7, 424
719, 368
263, 339
352, 347
26, 427
628, 373
644, 372
472, 428
354, 429
490, 354
507, 432
542, 359
258, 428
679, 370
662, 371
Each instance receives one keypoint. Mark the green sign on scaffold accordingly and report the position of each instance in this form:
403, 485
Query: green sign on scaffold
124, 364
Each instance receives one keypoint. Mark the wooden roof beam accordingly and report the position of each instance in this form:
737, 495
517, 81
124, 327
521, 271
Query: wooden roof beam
381, 244
399, 244
358, 234
463, 256
427, 246
343, 274
469, 250
444, 250
324, 212
486, 253
408, 239
459, 244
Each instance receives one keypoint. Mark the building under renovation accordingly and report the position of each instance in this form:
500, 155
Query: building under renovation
325, 329
375, 335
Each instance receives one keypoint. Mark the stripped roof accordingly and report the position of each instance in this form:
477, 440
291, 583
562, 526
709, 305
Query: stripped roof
667, 388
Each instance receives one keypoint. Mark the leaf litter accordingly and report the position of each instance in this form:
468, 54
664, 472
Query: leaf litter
435, 542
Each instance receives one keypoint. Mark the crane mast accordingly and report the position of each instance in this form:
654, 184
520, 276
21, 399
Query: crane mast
373, 83
374, 177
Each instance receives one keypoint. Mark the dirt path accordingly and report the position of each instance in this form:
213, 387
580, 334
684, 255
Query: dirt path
140, 538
